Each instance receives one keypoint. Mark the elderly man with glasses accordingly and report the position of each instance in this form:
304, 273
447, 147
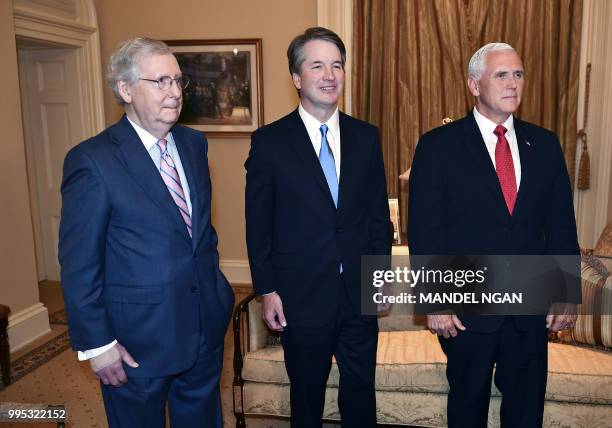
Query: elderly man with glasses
147, 304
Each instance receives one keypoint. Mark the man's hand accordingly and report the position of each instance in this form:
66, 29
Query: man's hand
561, 316
108, 367
444, 324
385, 307
273, 312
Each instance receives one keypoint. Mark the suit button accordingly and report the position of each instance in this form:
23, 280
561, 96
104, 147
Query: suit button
194, 289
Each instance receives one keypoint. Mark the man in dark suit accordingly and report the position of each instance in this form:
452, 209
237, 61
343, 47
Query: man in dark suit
316, 200
147, 304
491, 184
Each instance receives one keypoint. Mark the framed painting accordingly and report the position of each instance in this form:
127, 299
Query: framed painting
224, 97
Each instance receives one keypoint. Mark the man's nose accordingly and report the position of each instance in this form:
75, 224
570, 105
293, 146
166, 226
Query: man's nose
328, 73
175, 90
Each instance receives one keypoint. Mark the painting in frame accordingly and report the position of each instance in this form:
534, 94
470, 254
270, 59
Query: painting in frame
224, 97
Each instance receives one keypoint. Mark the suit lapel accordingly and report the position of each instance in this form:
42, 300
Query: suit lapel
134, 157
187, 161
348, 166
303, 146
483, 165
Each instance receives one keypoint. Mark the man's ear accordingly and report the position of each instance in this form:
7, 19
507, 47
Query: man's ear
124, 91
473, 86
297, 80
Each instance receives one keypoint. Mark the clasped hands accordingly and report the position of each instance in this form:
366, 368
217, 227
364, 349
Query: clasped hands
108, 366
561, 316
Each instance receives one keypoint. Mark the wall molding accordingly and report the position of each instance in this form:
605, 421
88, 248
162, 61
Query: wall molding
237, 272
592, 205
35, 22
27, 325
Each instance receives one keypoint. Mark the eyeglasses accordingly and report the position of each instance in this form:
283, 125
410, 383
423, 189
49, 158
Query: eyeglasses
165, 82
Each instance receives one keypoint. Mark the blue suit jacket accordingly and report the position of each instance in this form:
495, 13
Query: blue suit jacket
129, 269
456, 205
296, 237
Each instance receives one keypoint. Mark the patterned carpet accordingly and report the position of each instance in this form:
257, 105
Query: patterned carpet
42, 354
51, 374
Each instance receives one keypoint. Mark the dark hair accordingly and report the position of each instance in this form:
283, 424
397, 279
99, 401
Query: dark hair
294, 51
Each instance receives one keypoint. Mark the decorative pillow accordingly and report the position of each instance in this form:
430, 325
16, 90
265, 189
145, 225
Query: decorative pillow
589, 258
594, 324
604, 245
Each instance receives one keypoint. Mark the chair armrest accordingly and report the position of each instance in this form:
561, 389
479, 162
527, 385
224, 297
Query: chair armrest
259, 335
240, 327
250, 331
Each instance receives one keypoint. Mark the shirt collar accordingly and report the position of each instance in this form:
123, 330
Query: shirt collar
313, 124
487, 126
148, 139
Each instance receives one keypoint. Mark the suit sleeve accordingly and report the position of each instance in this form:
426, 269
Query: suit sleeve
560, 223
259, 213
380, 223
426, 202
82, 244
427, 218
560, 228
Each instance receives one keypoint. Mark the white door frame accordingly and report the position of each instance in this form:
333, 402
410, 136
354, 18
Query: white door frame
35, 21
73, 27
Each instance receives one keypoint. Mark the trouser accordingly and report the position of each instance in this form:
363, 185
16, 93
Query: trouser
352, 339
520, 361
193, 397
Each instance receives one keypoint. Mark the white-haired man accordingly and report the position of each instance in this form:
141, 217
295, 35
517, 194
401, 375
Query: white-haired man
491, 184
147, 304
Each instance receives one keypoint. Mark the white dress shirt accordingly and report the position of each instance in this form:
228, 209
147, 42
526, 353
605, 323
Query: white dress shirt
150, 143
313, 127
487, 127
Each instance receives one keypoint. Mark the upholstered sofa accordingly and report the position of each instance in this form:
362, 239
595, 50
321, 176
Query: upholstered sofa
410, 374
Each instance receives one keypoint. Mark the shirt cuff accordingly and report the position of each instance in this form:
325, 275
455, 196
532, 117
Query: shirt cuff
90, 353
267, 294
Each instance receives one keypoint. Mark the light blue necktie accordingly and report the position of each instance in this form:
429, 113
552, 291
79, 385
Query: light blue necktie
326, 157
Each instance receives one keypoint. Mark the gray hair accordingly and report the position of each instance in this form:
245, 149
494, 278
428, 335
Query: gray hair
296, 47
123, 64
477, 64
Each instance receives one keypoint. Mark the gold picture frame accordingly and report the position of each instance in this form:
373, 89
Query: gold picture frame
225, 95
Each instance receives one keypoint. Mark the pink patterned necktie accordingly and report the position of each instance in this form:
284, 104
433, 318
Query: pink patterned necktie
505, 167
169, 174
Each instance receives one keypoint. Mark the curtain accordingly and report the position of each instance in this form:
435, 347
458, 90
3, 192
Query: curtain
410, 61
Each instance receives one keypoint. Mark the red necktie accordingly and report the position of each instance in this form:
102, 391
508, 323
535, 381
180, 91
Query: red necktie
505, 167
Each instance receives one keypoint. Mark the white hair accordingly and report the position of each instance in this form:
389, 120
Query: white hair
124, 62
477, 63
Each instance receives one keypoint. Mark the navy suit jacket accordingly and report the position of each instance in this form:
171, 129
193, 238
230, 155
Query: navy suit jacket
296, 237
456, 205
129, 269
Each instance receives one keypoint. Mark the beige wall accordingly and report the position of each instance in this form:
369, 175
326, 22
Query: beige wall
275, 21
610, 200
18, 286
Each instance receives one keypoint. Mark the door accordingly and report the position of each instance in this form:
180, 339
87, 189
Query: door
53, 123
